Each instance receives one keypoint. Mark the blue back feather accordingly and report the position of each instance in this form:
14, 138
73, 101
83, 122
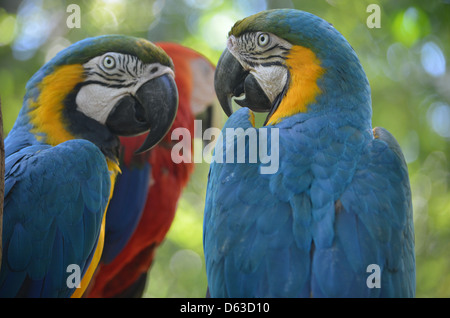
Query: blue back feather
311, 228
53, 208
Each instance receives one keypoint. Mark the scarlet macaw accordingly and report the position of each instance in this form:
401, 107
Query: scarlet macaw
336, 208
123, 270
62, 158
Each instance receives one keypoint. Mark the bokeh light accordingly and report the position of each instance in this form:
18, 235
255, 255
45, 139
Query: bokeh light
439, 118
433, 59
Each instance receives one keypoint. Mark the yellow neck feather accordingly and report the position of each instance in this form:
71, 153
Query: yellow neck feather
46, 117
305, 70
78, 293
46, 113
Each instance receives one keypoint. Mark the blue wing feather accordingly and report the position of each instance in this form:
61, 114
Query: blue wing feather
55, 199
373, 226
130, 194
250, 248
312, 228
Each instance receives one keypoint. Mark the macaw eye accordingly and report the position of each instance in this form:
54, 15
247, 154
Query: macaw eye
263, 39
109, 62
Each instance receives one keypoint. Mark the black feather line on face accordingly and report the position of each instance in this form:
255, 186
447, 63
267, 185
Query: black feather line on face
248, 50
108, 78
109, 84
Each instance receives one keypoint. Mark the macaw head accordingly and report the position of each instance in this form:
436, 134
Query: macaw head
287, 61
100, 88
194, 77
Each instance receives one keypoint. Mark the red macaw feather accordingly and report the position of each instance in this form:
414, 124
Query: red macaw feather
168, 180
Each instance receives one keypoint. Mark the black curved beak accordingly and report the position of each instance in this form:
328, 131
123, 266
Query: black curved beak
231, 80
153, 107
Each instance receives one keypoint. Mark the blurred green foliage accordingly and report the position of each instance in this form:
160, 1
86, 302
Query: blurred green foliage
405, 61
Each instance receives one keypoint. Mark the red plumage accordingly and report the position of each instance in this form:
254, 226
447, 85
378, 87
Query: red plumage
168, 178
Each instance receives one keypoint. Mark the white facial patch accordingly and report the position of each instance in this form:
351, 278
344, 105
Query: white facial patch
109, 80
266, 63
96, 101
272, 79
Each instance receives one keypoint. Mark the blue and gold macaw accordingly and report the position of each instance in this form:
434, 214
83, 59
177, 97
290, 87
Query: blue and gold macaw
62, 158
332, 217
